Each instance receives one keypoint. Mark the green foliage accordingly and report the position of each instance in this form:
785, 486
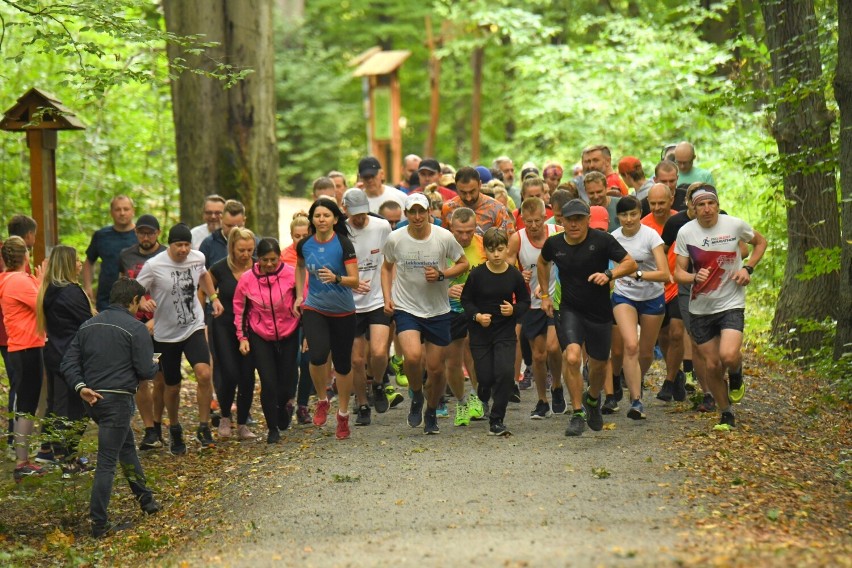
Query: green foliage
821, 261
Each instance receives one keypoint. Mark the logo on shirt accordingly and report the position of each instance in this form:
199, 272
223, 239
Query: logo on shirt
183, 296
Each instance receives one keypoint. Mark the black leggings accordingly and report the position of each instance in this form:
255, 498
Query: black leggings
276, 363
330, 334
495, 370
66, 418
236, 371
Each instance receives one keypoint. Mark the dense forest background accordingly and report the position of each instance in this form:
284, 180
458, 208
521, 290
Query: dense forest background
557, 75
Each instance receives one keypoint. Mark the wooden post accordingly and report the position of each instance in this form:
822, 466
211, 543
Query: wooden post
42, 145
396, 132
435, 91
476, 108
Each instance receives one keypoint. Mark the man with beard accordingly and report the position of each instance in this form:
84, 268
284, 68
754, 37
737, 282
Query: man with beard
489, 211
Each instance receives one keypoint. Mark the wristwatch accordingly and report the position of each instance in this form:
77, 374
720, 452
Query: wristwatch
608, 274
337, 279
440, 276
638, 275
749, 269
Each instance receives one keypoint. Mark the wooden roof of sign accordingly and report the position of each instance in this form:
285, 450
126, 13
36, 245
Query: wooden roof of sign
381, 63
24, 115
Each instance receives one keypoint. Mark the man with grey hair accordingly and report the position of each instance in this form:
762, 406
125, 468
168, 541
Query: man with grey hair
214, 206
507, 168
410, 165
688, 173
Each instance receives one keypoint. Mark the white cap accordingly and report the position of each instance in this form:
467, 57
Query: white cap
416, 199
355, 201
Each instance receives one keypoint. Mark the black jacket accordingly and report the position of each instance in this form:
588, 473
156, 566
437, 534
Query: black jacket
65, 308
111, 352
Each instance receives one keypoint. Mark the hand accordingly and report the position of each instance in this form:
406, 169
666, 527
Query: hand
506, 308
40, 270
484, 320
218, 309
363, 288
537, 291
89, 396
702, 275
389, 307
148, 305
304, 346
244, 346
527, 274
599, 278
432, 274
547, 306
150, 325
455, 291
296, 310
741, 277
326, 276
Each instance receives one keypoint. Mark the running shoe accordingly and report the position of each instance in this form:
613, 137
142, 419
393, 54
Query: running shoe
558, 396
364, 416
430, 425
610, 405
303, 415
415, 413
594, 417
618, 386
462, 415
577, 424
498, 429
177, 445
679, 389
442, 411
726, 422
45, 457
666, 393
708, 404
27, 469
691, 382
224, 429
150, 440
110, 529
342, 431
205, 437
526, 379
541, 411
398, 371
736, 388
637, 410
515, 394
274, 436
380, 400
75, 467
244, 433
394, 398
321, 413
475, 408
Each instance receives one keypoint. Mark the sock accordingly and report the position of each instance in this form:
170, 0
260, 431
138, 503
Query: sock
203, 425
342, 414
463, 400
591, 401
687, 365
418, 395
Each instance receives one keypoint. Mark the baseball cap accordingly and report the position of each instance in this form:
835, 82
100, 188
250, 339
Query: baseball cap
628, 164
368, 166
529, 170
575, 207
484, 174
416, 199
598, 218
355, 201
180, 233
148, 221
430, 164
704, 192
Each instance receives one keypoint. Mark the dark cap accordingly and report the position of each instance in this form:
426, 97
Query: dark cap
180, 233
368, 166
149, 222
527, 171
430, 164
484, 174
575, 207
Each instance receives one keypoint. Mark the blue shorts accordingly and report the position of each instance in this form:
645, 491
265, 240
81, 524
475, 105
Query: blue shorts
436, 330
653, 307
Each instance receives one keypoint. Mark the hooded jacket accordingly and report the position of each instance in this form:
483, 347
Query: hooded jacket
263, 303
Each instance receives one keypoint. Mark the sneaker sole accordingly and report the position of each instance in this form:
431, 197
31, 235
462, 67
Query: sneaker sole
178, 451
540, 417
722, 428
634, 414
500, 434
736, 396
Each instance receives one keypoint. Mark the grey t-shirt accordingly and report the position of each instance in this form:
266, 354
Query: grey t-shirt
174, 285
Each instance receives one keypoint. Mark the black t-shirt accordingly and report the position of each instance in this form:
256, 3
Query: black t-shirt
484, 292
576, 263
672, 226
226, 285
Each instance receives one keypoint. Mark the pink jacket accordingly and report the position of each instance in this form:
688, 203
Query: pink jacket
263, 303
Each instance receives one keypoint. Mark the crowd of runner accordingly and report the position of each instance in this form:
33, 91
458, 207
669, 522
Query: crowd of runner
459, 285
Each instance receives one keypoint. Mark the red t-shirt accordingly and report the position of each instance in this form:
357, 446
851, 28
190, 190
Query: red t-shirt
671, 288
614, 180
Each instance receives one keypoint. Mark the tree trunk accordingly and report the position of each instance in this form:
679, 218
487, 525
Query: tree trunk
843, 93
226, 137
802, 133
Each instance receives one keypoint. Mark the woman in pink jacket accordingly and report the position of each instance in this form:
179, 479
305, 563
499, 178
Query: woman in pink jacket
267, 326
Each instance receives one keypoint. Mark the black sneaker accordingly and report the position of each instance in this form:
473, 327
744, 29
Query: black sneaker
541, 411
726, 422
577, 424
679, 389
380, 399
285, 416
499, 429
430, 425
215, 418
274, 436
151, 507
558, 396
109, 529
618, 387
593, 413
150, 441
610, 405
205, 437
515, 395
666, 393
415, 413
177, 447
363, 418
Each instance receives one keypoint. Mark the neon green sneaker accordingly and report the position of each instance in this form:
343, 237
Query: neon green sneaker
462, 415
726, 422
475, 409
394, 398
736, 388
396, 367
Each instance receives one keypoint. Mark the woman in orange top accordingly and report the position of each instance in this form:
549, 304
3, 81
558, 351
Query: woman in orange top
18, 294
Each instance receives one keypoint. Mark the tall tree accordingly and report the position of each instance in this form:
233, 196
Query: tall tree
802, 132
843, 93
226, 136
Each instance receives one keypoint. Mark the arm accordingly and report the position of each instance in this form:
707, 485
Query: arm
662, 273
743, 276
460, 267
300, 284
681, 275
514, 249
206, 286
387, 286
239, 314
542, 270
626, 266
142, 352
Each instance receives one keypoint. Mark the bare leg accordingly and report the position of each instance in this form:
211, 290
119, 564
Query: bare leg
573, 359
203, 376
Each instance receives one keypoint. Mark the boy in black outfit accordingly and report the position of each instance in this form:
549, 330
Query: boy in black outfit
487, 299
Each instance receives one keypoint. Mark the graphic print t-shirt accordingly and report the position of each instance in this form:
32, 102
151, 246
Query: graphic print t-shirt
174, 285
716, 249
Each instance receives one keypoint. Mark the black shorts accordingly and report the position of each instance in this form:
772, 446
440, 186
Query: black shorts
26, 370
672, 311
578, 329
458, 327
194, 347
535, 323
364, 320
705, 328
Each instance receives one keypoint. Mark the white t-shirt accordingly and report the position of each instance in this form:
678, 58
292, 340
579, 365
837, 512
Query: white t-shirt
174, 285
411, 292
368, 244
528, 255
718, 250
640, 247
199, 233
389, 194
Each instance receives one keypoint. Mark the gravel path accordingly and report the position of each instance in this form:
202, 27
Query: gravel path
391, 496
